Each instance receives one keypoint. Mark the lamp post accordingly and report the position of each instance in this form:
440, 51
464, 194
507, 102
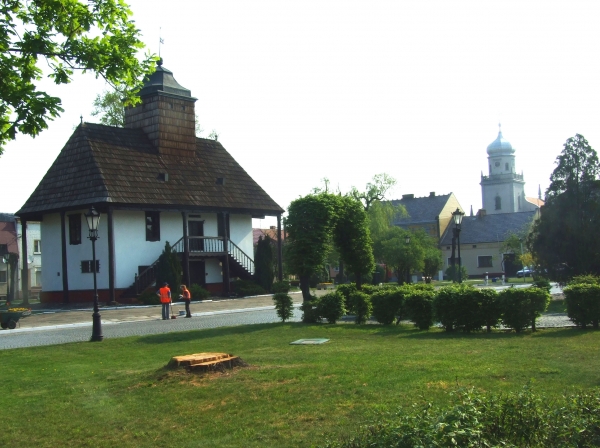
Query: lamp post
6, 259
93, 219
407, 241
522, 263
457, 216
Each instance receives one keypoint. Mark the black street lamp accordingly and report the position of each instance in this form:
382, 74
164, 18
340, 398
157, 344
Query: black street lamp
93, 219
6, 260
457, 216
407, 241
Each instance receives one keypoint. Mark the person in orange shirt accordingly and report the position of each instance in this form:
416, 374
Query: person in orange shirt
186, 296
165, 299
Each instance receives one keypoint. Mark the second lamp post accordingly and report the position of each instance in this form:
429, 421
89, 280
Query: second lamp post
457, 216
93, 219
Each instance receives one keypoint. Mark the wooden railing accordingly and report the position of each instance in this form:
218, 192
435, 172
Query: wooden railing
198, 245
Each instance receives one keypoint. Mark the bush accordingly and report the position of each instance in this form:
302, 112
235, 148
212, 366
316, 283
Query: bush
280, 287
542, 283
309, 311
475, 419
346, 290
521, 307
331, 307
284, 306
419, 307
587, 279
452, 273
583, 304
387, 304
491, 312
244, 288
361, 303
459, 306
149, 297
197, 292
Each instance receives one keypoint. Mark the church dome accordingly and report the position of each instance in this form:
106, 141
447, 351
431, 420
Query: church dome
500, 146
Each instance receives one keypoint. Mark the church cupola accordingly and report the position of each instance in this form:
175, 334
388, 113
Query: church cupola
166, 114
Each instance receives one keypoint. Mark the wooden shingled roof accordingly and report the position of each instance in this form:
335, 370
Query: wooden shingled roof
120, 167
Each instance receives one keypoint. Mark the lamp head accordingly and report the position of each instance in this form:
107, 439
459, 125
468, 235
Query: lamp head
93, 220
457, 216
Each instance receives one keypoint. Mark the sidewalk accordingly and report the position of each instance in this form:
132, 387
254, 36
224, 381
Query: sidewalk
78, 316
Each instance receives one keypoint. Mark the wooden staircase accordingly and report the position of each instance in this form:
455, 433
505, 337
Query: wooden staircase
240, 264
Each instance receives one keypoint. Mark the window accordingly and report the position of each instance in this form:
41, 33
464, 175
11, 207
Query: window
74, 229
506, 167
86, 266
37, 246
152, 226
498, 203
3, 249
2, 276
484, 261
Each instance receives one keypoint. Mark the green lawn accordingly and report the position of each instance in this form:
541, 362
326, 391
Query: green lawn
118, 393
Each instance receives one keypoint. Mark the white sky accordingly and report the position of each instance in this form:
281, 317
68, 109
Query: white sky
303, 90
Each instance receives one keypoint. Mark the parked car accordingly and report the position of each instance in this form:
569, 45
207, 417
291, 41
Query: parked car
527, 271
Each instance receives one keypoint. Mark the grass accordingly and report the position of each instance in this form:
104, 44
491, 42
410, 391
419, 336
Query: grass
118, 392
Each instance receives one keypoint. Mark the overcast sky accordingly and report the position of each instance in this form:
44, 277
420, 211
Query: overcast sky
299, 91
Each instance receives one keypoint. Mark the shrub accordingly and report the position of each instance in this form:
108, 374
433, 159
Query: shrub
149, 297
309, 311
387, 304
284, 306
452, 273
244, 288
347, 289
419, 307
368, 288
280, 287
587, 279
459, 306
331, 307
491, 312
475, 419
542, 283
361, 303
521, 307
197, 292
583, 304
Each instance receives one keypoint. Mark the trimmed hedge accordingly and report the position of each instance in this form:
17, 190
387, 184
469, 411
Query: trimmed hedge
522, 306
419, 307
388, 304
361, 304
583, 304
331, 307
466, 308
244, 288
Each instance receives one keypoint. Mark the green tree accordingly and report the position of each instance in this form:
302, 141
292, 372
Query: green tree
263, 263
309, 227
168, 269
400, 256
432, 262
374, 191
62, 36
352, 239
109, 106
563, 239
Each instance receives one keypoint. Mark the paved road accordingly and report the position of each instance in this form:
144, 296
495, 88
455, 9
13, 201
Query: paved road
59, 327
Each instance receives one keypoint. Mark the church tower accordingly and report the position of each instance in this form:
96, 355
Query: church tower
502, 190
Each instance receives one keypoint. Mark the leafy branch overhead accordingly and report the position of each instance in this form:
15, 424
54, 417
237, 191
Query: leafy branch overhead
55, 39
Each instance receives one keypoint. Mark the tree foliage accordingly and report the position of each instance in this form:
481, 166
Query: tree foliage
563, 240
169, 269
374, 191
263, 263
109, 106
55, 39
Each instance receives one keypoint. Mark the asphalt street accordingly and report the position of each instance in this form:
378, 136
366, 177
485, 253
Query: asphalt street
51, 327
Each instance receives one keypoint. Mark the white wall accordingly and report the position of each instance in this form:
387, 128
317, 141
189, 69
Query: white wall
241, 233
132, 249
